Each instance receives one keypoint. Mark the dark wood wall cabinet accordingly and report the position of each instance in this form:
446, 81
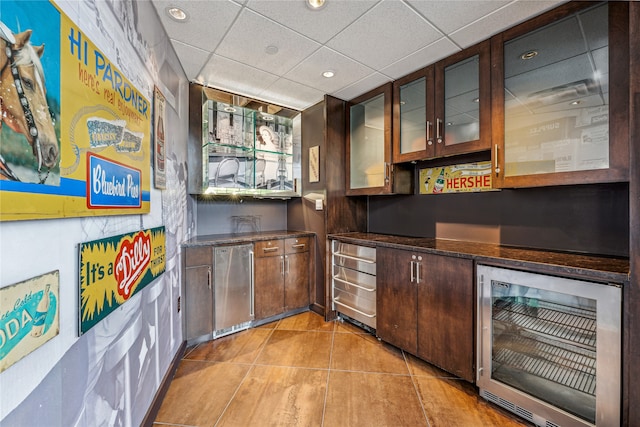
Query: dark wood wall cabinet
444, 108
560, 92
425, 305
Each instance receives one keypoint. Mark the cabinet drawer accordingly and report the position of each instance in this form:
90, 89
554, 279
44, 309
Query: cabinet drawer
296, 244
198, 256
267, 248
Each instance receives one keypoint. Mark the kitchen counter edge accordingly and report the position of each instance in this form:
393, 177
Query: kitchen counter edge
612, 270
240, 238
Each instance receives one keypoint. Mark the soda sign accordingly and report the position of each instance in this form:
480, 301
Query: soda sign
114, 269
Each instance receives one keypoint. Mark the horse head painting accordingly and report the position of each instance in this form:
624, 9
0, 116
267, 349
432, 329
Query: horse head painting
23, 101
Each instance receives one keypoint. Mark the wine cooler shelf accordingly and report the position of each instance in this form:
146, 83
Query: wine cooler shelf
575, 325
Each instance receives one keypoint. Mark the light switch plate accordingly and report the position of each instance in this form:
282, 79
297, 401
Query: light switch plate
319, 204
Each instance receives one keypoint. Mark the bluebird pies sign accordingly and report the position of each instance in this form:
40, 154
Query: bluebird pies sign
114, 269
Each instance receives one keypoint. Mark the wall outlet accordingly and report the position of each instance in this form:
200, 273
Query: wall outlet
178, 304
319, 204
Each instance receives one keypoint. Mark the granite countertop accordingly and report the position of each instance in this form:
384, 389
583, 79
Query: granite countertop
609, 269
239, 238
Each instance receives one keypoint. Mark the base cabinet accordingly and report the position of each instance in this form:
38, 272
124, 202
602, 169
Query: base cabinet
198, 293
425, 306
281, 276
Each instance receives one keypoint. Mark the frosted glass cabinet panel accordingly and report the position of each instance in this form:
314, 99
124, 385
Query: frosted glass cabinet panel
565, 99
413, 110
462, 101
368, 142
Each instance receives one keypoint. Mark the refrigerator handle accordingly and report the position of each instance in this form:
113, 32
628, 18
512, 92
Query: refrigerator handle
252, 288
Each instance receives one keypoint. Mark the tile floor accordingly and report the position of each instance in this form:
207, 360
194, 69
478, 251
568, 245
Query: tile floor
303, 371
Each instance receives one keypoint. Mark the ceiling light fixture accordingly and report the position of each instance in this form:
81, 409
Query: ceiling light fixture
575, 103
177, 14
316, 4
328, 74
229, 109
529, 55
271, 49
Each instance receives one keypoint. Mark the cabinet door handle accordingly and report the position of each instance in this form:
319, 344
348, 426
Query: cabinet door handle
299, 245
429, 139
439, 131
270, 249
209, 277
412, 272
252, 301
286, 258
282, 264
496, 160
418, 266
387, 172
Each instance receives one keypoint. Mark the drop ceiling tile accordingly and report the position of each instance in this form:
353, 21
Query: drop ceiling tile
206, 25
385, 34
319, 25
249, 47
372, 81
309, 72
428, 55
508, 16
291, 94
191, 58
232, 76
449, 16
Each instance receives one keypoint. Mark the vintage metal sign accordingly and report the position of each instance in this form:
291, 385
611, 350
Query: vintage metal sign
114, 269
29, 316
88, 148
456, 178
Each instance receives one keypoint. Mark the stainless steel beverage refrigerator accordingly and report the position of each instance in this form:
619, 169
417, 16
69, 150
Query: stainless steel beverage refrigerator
549, 348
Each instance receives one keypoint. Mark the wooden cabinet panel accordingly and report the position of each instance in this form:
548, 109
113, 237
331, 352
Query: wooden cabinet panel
425, 305
296, 285
269, 248
269, 286
445, 314
396, 303
198, 293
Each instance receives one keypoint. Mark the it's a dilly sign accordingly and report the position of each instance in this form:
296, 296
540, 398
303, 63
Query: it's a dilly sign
29, 316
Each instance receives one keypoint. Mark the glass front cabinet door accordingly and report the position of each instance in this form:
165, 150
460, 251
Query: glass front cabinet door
560, 97
369, 168
444, 109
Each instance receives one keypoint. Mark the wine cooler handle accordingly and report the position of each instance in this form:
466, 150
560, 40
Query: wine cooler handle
482, 343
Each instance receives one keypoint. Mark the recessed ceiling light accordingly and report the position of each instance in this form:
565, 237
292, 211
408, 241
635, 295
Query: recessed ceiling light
328, 74
316, 4
177, 14
529, 55
575, 103
271, 49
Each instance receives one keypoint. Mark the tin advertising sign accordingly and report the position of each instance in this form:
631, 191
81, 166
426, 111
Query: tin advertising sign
463, 178
114, 269
83, 147
29, 316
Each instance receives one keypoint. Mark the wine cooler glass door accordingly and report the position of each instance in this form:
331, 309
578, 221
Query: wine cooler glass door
553, 339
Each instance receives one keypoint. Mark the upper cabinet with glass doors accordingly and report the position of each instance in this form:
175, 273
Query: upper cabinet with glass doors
369, 167
560, 97
445, 108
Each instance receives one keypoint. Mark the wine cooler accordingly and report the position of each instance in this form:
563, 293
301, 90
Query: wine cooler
549, 348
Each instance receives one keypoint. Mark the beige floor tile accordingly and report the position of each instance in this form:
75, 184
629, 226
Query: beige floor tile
306, 349
278, 396
455, 403
199, 392
357, 399
307, 321
420, 367
359, 352
241, 347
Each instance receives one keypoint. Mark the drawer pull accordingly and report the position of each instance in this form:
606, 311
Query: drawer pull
354, 309
270, 249
354, 284
299, 245
368, 261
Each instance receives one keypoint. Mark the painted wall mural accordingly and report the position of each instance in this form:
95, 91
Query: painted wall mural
112, 270
109, 375
88, 126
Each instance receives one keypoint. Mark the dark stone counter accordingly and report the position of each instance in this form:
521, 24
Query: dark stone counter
240, 238
583, 266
